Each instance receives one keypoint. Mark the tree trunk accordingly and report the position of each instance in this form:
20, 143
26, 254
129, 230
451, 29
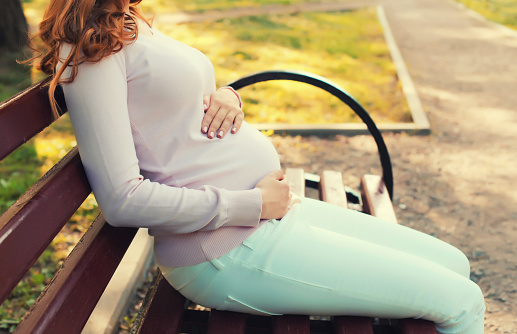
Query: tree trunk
13, 26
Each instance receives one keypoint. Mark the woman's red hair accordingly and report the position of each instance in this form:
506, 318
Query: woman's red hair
94, 29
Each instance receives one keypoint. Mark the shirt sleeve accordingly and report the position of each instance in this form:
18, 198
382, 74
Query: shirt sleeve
97, 104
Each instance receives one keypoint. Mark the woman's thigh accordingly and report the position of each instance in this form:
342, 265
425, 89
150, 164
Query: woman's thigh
320, 215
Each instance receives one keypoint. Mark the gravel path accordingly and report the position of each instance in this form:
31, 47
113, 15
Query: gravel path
458, 183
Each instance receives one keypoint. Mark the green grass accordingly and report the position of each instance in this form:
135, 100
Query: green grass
169, 6
25, 294
17, 171
500, 11
17, 174
13, 77
345, 47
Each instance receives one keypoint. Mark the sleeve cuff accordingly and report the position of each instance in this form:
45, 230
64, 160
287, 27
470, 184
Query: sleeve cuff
244, 208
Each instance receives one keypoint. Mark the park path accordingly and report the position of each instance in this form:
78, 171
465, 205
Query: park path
459, 183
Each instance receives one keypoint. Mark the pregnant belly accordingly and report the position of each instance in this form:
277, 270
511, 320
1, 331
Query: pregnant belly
235, 162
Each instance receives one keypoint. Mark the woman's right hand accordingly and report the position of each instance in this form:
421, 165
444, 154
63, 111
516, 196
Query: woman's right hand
275, 195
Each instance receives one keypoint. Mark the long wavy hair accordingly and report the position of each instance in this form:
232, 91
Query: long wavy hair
93, 28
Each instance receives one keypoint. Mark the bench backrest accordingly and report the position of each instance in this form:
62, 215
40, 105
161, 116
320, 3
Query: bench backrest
30, 224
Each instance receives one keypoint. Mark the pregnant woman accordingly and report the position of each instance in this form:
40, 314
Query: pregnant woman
164, 149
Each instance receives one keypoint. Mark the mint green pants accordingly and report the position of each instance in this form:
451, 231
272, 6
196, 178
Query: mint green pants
325, 260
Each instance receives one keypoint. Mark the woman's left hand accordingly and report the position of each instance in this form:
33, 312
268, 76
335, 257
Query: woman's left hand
223, 113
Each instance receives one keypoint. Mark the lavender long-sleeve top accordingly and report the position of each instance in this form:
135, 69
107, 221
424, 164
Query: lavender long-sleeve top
137, 119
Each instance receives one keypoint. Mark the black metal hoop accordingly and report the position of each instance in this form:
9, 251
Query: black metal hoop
340, 93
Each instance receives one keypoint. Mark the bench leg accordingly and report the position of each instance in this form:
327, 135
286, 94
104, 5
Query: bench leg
352, 325
291, 324
414, 326
165, 312
226, 323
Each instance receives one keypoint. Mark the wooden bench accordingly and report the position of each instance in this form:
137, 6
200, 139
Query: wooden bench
65, 305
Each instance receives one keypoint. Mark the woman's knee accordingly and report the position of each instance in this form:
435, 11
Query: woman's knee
468, 313
457, 261
462, 264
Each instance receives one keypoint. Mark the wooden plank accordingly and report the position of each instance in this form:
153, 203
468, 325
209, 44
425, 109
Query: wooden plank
258, 324
30, 224
67, 302
352, 325
226, 323
291, 324
376, 200
331, 188
417, 326
24, 115
163, 310
296, 180
194, 321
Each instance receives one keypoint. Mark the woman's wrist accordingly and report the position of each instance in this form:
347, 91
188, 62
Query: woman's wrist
235, 93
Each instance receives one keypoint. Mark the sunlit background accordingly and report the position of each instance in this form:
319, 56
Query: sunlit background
346, 47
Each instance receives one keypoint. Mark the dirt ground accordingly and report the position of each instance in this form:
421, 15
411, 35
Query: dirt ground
457, 184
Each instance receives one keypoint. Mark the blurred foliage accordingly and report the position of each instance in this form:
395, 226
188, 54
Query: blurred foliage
500, 11
29, 162
14, 77
170, 6
345, 47
17, 174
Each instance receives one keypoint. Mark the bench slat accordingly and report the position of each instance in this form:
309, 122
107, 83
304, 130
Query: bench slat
24, 115
331, 188
291, 324
296, 179
376, 199
352, 325
414, 326
30, 224
164, 311
67, 302
226, 323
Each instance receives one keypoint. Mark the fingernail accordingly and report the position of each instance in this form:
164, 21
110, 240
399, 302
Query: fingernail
205, 129
211, 135
234, 130
221, 133
205, 107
